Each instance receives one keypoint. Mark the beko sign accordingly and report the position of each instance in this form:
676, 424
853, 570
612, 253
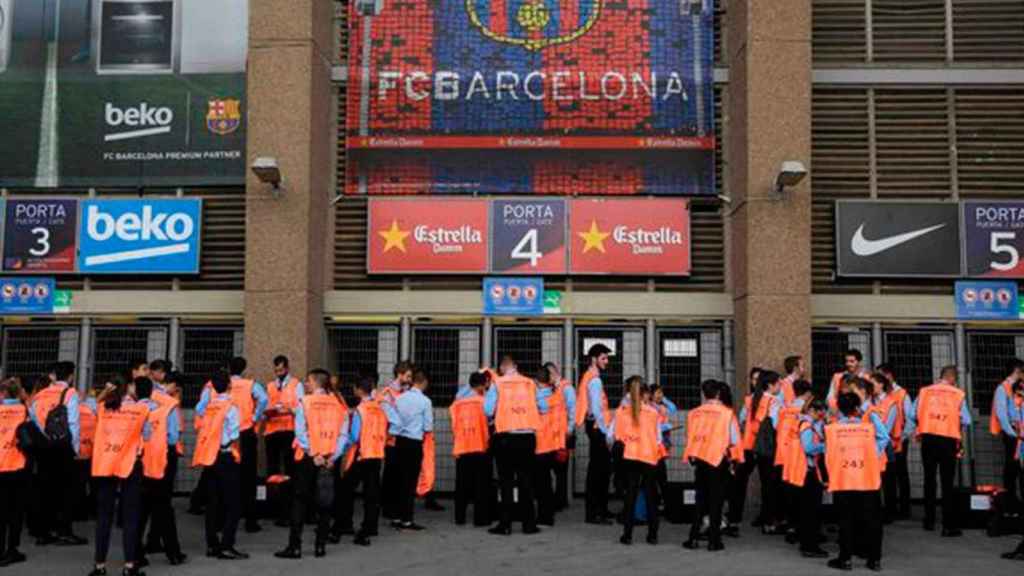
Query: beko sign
898, 239
140, 236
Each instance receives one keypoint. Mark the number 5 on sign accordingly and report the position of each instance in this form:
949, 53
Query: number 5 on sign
1003, 249
994, 239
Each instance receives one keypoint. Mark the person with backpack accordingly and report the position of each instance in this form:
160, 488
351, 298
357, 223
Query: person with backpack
55, 412
13, 472
761, 414
742, 472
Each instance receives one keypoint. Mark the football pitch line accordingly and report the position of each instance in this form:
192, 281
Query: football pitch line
46, 167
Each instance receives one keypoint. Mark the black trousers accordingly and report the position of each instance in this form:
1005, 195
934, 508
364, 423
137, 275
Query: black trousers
409, 457
56, 468
710, 482
766, 473
1011, 468
85, 496
12, 509
223, 502
809, 510
562, 478
939, 452
543, 486
789, 499
738, 487
197, 500
280, 454
158, 510
365, 473
390, 482
599, 469
473, 483
248, 442
640, 475
860, 523
107, 488
313, 488
896, 485
618, 471
516, 465
663, 478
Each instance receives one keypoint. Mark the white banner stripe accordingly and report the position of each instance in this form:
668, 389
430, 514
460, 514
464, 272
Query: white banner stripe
136, 134
130, 255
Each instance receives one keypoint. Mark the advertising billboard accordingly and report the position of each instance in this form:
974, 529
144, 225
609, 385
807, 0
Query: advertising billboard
425, 236
593, 97
123, 93
898, 239
140, 236
994, 239
630, 236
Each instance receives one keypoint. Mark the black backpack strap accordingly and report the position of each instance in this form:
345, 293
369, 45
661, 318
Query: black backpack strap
64, 395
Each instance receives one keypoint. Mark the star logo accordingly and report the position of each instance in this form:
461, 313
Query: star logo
394, 237
593, 239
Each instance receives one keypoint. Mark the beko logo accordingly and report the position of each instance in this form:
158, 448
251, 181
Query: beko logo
144, 120
176, 227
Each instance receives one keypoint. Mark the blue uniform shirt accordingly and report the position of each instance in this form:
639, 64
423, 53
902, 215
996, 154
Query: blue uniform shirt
594, 394
411, 416
1005, 409
569, 393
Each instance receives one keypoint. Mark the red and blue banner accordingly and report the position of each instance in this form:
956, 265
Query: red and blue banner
531, 97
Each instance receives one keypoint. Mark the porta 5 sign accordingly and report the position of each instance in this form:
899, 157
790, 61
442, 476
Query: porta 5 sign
139, 236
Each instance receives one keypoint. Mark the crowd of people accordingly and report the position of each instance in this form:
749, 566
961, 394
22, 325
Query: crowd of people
66, 448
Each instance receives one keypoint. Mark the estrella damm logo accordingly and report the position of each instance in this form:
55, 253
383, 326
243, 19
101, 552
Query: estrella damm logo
534, 24
224, 116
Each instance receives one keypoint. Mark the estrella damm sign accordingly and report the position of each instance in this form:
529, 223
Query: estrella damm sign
533, 24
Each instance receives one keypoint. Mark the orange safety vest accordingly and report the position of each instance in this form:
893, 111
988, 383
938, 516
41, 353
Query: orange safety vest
163, 398
787, 432
753, 423
425, 482
639, 439
707, 433
553, 425
517, 404
288, 397
47, 399
837, 379
993, 422
324, 414
851, 457
735, 451
469, 426
583, 399
86, 431
154, 451
118, 439
208, 439
373, 430
895, 398
241, 395
11, 416
866, 418
938, 410
788, 395
794, 471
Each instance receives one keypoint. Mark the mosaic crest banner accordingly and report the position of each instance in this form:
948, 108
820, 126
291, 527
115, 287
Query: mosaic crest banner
531, 97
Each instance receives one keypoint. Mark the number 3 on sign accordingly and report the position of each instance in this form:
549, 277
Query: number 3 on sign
998, 247
42, 240
526, 249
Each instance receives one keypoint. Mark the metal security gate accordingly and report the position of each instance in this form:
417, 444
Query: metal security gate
916, 357
356, 351
448, 355
988, 364
114, 349
828, 350
531, 347
687, 357
30, 351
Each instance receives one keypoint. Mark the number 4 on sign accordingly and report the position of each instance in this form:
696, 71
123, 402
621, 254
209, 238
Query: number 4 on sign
527, 248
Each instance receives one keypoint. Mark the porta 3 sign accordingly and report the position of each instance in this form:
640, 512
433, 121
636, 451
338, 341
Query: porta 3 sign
529, 236
159, 236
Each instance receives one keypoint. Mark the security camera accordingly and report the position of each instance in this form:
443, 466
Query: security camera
369, 7
791, 173
265, 168
725, 199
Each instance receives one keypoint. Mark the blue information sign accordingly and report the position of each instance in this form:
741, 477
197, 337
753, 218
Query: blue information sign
513, 296
986, 301
26, 295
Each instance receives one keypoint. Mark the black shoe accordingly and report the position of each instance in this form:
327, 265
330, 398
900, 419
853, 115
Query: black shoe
626, 539
231, 554
71, 540
97, 571
691, 544
334, 538
460, 522
757, 523
814, 553
196, 511
347, 531
652, 539
952, 533
547, 522
500, 530
433, 506
132, 571
874, 565
772, 531
142, 562
289, 553
154, 548
212, 552
361, 540
792, 538
715, 546
252, 527
412, 527
282, 523
1017, 554
840, 564
12, 557
46, 540
177, 559
396, 524
928, 525
319, 551
731, 531
600, 521
531, 530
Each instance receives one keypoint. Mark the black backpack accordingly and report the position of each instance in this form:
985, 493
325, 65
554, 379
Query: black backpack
29, 439
57, 428
764, 445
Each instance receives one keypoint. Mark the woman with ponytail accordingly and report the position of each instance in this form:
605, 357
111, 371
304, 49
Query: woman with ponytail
636, 425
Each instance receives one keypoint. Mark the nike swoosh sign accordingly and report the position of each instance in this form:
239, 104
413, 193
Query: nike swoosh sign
861, 246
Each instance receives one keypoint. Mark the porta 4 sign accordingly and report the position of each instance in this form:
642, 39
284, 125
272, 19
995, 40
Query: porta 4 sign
140, 236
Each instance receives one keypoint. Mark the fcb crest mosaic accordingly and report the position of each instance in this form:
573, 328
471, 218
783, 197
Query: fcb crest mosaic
593, 96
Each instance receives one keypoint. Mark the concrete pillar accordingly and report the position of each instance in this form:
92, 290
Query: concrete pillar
289, 99
769, 108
